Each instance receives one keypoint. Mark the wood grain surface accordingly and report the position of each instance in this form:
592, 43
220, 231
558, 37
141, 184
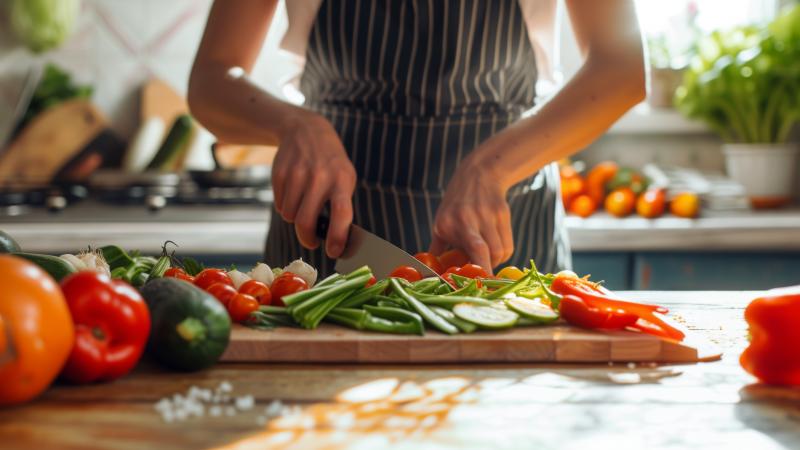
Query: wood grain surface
555, 343
475, 406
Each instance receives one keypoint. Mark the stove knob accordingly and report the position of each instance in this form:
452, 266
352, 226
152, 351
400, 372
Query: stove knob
155, 202
55, 203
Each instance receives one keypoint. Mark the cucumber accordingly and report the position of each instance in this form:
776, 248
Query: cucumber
486, 316
463, 325
172, 151
53, 265
8, 244
190, 329
535, 310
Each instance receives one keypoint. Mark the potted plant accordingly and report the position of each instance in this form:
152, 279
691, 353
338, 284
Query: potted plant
745, 84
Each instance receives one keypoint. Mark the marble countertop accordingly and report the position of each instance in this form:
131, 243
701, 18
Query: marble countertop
242, 230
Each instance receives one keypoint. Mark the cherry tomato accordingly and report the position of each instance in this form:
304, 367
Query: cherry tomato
430, 260
258, 290
510, 273
446, 275
472, 271
240, 307
177, 272
406, 272
685, 204
286, 284
372, 280
207, 277
452, 258
223, 292
651, 203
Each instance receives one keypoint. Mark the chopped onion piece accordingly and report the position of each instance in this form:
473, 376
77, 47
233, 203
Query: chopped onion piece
302, 270
261, 272
238, 278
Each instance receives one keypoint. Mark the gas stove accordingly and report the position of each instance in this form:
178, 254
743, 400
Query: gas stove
148, 191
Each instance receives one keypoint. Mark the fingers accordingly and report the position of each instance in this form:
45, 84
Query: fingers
438, 245
293, 188
317, 192
278, 180
494, 243
506, 235
474, 244
341, 218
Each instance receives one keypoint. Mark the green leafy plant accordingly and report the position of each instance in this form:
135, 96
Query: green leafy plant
745, 82
43, 24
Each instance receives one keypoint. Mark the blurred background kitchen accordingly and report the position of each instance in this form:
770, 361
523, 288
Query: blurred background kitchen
696, 188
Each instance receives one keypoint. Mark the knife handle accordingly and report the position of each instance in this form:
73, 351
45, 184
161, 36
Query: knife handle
323, 223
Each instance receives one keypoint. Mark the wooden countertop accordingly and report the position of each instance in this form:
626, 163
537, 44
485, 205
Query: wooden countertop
708, 405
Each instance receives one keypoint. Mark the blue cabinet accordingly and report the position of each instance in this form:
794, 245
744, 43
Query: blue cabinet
690, 270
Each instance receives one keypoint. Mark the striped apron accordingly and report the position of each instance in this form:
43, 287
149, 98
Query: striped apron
412, 87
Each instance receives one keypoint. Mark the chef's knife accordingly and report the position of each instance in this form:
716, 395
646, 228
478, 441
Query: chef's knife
364, 248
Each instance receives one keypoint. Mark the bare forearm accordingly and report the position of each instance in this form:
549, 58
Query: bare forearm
593, 100
237, 110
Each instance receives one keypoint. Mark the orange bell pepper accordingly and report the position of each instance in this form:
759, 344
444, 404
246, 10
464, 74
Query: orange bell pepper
774, 352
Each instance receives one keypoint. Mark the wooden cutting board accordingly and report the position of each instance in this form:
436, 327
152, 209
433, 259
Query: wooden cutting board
555, 343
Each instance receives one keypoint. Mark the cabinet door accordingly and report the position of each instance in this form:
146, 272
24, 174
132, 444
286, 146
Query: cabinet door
715, 271
612, 268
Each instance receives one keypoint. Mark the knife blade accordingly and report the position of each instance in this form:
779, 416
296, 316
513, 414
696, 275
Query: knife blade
365, 248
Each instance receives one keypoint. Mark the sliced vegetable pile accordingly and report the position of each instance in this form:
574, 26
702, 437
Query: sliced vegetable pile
467, 301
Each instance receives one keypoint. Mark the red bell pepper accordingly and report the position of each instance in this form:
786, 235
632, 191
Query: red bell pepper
597, 297
112, 324
774, 352
576, 312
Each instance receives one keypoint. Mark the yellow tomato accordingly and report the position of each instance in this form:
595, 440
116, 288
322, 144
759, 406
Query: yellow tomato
510, 273
685, 204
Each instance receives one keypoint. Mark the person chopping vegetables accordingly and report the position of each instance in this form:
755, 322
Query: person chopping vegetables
413, 122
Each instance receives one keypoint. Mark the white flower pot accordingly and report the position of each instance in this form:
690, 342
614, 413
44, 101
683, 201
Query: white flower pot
766, 171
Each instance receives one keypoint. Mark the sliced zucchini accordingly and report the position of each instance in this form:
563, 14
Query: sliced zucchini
486, 316
535, 310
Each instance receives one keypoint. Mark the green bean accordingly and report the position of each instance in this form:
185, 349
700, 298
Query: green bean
364, 294
431, 317
332, 292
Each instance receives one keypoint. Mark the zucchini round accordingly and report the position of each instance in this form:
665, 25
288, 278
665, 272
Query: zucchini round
486, 316
190, 328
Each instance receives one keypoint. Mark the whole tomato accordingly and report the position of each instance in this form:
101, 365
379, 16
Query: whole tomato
472, 271
583, 206
257, 290
571, 188
223, 292
36, 330
620, 202
651, 203
685, 204
453, 258
177, 272
287, 283
430, 260
407, 273
207, 277
240, 307
597, 179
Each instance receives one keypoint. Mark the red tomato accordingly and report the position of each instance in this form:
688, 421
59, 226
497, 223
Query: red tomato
241, 306
177, 272
452, 258
258, 290
448, 272
223, 292
287, 283
430, 260
207, 277
407, 273
472, 271
372, 280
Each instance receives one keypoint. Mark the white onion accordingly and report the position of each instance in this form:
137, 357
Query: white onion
74, 261
261, 272
567, 274
238, 278
302, 270
93, 260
